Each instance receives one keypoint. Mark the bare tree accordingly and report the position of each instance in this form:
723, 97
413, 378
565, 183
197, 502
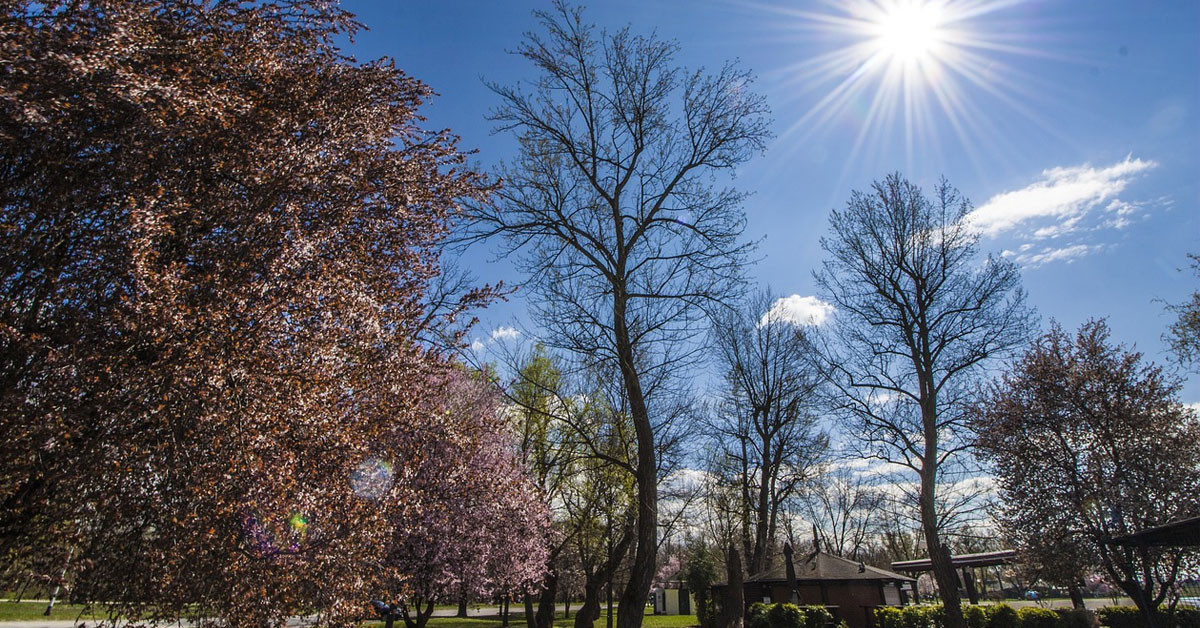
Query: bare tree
764, 432
845, 505
611, 205
917, 317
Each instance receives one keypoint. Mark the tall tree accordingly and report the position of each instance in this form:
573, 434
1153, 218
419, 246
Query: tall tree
764, 430
611, 205
216, 238
917, 316
1089, 443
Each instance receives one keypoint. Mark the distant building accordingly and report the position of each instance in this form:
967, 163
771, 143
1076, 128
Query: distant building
850, 590
673, 598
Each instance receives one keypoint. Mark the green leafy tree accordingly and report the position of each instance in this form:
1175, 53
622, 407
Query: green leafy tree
700, 572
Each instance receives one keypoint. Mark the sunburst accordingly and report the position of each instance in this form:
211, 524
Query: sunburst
920, 67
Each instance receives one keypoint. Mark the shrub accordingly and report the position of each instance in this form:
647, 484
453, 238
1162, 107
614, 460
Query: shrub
785, 616
1002, 616
975, 616
817, 617
1130, 617
1187, 618
1037, 617
1121, 617
1077, 618
888, 617
756, 617
923, 616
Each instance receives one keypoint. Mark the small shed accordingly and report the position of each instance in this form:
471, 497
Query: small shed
673, 598
849, 589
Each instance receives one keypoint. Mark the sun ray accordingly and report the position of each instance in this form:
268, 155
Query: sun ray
911, 74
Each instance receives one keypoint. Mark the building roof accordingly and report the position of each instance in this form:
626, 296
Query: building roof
1182, 533
982, 559
822, 566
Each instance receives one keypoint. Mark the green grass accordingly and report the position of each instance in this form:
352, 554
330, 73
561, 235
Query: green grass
18, 611
518, 621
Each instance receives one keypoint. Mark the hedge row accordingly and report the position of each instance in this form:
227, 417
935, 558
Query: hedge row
994, 616
1130, 617
788, 616
1005, 616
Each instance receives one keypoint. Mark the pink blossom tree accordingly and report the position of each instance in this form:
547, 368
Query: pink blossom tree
465, 514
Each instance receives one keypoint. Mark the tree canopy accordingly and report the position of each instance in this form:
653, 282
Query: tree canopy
217, 234
1088, 443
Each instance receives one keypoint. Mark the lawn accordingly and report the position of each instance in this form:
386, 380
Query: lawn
18, 611
518, 621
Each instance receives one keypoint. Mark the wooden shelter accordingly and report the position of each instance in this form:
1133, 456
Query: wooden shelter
849, 589
1182, 533
964, 565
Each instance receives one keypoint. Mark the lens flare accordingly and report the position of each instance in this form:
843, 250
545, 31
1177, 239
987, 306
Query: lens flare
275, 537
298, 523
372, 479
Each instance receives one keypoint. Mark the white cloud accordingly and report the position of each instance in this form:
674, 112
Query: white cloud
477, 345
1046, 255
1057, 204
504, 332
797, 310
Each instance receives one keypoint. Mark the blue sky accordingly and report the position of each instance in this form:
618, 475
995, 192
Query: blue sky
1072, 126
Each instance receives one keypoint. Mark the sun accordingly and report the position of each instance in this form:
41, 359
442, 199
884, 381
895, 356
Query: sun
909, 32
912, 75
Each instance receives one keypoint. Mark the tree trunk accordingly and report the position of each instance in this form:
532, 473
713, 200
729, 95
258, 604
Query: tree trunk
1142, 600
462, 605
530, 618
424, 612
546, 605
589, 611
608, 621
632, 607
735, 601
1077, 594
757, 561
703, 611
939, 556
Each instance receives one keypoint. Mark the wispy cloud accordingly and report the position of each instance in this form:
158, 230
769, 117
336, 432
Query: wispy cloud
1046, 255
797, 310
504, 332
1058, 203
499, 334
